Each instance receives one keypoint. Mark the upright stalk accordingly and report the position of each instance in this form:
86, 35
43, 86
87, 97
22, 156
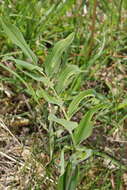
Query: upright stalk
91, 43
120, 13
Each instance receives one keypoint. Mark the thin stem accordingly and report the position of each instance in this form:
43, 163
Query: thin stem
62, 108
112, 159
91, 43
120, 13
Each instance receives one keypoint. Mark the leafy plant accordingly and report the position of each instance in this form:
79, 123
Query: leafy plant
54, 79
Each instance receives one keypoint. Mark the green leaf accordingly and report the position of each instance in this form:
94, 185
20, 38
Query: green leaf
80, 155
48, 98
62, 163
39, 78
120, 105
68, 125
33, 68
17, 38
25, 64
15, 74
65, 77
72, 178
61, 183
64, 6
84, 129
74, 105
69, 180
51, 139
53, 60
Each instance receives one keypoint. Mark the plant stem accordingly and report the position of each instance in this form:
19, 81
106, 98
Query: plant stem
112, 159
120, 12
91, 43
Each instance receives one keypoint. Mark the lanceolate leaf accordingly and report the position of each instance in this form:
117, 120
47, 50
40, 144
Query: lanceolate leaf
39, 78
15, 74
69, 180
17, 38
61, 183
53, 60
72, 178
65, 77
74, 105
48, 98
25, 64
62, 163
68, 125
84, 129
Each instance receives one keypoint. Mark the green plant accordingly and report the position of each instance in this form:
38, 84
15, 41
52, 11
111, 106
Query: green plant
54, 78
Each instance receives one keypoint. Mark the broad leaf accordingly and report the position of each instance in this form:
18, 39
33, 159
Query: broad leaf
65, 77
74, 105
53, 60
39, 78
69, 180
84, 129
25, 64
72, 178
48, 98
17, 38
68, 125
80, 155
61, 183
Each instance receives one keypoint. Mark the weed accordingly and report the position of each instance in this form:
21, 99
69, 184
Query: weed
74, 91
